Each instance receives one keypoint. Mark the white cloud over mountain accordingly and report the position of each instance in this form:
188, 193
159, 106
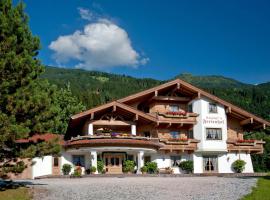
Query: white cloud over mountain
102, 44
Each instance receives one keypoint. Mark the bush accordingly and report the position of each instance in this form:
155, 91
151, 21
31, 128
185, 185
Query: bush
77, 171
100, 166
187, 166
152, 167
92, 169
143, 169
239, 166
66, 169
129, 166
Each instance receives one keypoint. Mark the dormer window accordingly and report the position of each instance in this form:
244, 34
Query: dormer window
212, 108
174, 108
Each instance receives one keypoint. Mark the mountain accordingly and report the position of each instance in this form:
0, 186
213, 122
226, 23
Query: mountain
94, 88
212, 81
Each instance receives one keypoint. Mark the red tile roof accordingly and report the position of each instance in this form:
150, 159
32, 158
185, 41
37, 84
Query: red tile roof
39, 137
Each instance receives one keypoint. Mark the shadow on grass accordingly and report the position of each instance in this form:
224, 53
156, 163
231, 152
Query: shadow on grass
5, 185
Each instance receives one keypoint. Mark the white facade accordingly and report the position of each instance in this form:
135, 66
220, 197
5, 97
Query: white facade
42, 166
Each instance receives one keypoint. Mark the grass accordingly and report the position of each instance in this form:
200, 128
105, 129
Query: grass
20, 193
261, 191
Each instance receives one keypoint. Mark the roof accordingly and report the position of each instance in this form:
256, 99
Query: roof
39, 138
116, 104
200, 92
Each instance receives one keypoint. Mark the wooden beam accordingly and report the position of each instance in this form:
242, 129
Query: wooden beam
92, 116
136, 117
114, 108
199, 95
264, 126
178, 86
112, 122
228, 110
156, 93
169, 125
246, 121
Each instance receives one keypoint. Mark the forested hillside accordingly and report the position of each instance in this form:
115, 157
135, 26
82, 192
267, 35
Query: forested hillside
94, 88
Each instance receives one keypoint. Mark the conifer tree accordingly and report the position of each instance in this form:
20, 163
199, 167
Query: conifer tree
28, 105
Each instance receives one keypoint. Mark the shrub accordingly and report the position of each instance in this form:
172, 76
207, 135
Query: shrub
92, 169
77, 171
143, 169
66, 169
152, 167
239, 166
100, 166
187, 166
129, 166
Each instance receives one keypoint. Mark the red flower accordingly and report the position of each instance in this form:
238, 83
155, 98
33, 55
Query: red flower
246, 141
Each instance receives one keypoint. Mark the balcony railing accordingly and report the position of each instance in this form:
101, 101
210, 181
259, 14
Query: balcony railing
249, 146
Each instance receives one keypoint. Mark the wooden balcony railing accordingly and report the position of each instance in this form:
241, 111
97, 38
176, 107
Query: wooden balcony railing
248, 146
179, 145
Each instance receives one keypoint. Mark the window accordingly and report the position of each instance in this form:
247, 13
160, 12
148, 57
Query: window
175, 161
174, 108
146, 134
190, 134
175, 134
147, 159
190, 108
55, 161
214, 134
130, 157
78, 160
210, 164
212, 108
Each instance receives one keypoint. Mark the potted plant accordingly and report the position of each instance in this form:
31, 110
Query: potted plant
187, 166
144, 170
129, 166
77, 172
152, 167
100, 166
239, 166
92, 169
66, 169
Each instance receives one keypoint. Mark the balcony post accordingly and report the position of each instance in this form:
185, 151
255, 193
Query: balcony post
90, 129
140, 161
94, 160
133, 129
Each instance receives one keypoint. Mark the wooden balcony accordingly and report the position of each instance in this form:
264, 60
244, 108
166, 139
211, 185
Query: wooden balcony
177, 117
248, 146
179, 145
121, 140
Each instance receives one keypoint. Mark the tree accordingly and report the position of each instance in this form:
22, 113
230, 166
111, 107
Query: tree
28, 105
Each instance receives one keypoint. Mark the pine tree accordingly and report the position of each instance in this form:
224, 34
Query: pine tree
28, 105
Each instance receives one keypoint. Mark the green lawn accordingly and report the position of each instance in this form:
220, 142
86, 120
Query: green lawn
21, 193
261, 191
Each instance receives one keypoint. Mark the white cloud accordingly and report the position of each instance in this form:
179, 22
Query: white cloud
86, 14
100, 45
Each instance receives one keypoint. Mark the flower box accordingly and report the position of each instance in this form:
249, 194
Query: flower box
246, 141
183, 113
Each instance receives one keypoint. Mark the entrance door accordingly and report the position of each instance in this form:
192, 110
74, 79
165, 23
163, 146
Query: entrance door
210, 164
56, 166
113, 163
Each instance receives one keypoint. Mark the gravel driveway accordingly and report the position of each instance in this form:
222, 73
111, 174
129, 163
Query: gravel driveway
165, 188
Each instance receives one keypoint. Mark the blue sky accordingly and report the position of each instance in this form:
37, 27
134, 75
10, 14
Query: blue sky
157, 39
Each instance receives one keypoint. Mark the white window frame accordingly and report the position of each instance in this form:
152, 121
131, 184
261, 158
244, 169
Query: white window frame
209, 106
213, 139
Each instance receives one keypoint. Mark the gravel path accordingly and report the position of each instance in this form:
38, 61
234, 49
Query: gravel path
165, 188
